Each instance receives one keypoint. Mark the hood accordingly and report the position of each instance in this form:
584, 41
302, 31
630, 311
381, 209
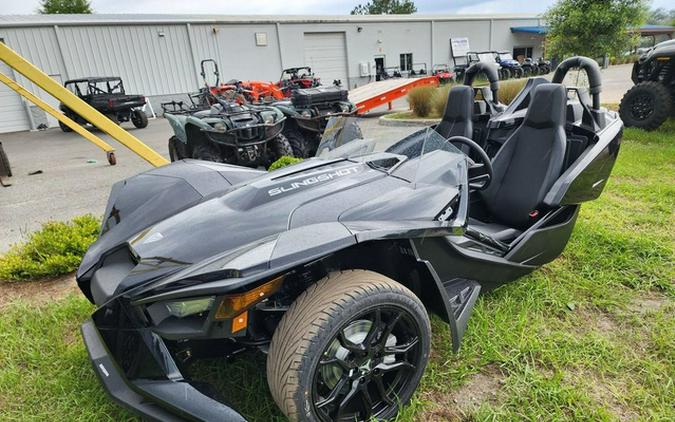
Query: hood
305, 204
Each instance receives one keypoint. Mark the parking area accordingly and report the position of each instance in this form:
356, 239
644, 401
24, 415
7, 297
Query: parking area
75, 177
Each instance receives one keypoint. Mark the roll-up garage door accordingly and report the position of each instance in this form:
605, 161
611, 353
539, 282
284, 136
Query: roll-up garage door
13, 117
326, 53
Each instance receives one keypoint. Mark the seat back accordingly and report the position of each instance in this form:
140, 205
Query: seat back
530, 160
457, 114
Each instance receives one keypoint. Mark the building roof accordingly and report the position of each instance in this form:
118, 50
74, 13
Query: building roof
644, 29
139, 19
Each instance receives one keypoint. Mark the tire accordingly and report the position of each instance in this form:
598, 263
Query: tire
204, 152
4, 163
517, 73
279, 147
505, 74
646, 106
297, 141
139, 118
177, 150
64, 127
334, 314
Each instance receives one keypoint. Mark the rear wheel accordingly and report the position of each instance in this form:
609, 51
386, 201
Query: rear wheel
139, 118
646, 105
517, 73
351, 347
176, 149
504, 74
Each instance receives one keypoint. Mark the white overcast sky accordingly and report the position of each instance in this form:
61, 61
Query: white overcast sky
289, 7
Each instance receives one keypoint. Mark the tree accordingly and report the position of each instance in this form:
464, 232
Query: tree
593, 28
661, 16
385, 7
58, 7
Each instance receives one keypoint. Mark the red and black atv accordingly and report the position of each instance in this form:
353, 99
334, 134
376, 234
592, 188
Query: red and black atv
297, 78
443, 72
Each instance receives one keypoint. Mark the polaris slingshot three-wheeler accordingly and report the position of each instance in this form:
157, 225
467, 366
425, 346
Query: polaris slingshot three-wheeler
330, 266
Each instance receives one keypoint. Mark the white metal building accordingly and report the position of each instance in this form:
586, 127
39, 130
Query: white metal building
158, 55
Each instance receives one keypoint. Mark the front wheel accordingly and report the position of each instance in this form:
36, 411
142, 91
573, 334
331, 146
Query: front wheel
646, 106
280, 147
139, 118
352, 347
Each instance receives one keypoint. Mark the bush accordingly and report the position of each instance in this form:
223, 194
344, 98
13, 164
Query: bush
57, 248
420, 100
283, 162
509, 89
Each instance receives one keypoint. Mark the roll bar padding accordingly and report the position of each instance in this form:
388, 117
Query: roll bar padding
592, 70
489, 71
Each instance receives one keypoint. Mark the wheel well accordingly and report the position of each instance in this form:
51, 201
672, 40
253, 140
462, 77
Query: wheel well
392, 258
195, 137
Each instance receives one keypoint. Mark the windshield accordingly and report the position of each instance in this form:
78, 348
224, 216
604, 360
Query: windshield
486, 57
506, 56
410, 153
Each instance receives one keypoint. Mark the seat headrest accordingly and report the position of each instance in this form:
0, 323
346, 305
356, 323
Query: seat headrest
460, 103
547, 107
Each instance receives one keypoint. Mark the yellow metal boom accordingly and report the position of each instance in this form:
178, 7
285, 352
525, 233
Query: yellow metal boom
39, 78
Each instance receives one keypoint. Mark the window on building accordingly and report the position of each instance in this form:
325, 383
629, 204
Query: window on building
406, 62
521, 53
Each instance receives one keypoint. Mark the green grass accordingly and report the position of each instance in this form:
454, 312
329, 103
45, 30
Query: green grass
587, 337
57, 248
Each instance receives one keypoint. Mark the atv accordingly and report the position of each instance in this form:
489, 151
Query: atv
307, 113
331, 266
443, 72
220, 129
107, 96
530, 67
506, 61
297, 78
651, 100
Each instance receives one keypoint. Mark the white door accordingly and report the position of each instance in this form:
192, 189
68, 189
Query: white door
13, 117
326, 54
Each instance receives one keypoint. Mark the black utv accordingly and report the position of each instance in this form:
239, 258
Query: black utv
106, 95
307, 113
651, 101
330, 267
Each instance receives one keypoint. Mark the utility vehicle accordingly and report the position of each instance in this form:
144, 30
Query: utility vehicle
651, 100
216, 127
445, 75
506, 61
107, 96
307, 113
330, 266
296, 78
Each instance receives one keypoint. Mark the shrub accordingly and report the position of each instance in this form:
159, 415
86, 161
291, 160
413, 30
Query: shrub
420, 100
283, 162
57, 248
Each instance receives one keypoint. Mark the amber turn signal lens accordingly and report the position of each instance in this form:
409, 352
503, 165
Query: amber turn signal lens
233, 305
240, 322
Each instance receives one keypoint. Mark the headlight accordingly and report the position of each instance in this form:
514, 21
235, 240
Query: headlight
344, 107
219, 126
268, 118
306, 113
185, 308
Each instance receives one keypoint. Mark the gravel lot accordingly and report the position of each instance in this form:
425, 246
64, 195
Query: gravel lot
70, 184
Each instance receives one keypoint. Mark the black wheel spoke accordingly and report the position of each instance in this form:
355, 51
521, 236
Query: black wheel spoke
334, 393
335, 360
390, 326
367, 401
347, 398
374, 329
379, 383
401, 348
396, 366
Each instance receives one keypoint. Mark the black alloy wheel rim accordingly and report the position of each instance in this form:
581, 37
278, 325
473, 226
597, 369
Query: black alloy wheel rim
367, 366
642, 107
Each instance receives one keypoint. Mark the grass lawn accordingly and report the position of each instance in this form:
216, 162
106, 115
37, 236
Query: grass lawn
589, 337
